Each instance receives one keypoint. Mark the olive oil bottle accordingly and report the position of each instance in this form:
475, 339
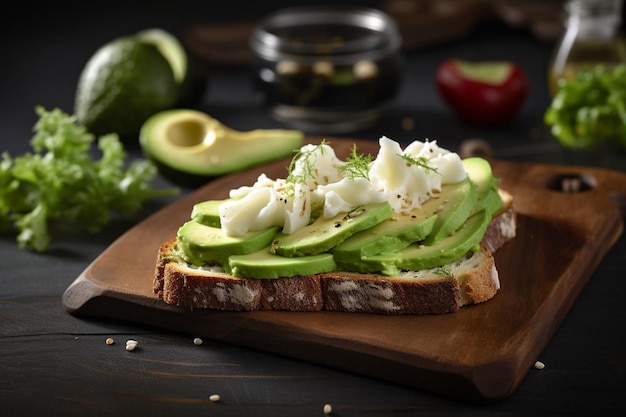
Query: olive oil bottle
592, 37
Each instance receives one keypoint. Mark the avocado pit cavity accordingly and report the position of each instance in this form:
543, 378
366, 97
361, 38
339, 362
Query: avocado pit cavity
190, 147
186, 133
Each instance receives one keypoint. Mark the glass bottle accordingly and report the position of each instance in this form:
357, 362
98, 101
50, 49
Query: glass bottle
592, 36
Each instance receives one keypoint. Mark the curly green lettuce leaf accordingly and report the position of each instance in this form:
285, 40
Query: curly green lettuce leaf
62, 181
590, 109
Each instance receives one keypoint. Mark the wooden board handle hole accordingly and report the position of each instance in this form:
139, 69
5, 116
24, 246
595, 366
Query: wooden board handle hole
571, 183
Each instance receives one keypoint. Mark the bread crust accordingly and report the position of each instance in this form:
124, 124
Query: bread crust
301, 293
469, 280
365, 293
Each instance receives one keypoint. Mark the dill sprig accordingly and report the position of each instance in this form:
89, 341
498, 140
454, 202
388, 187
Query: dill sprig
308, 157
421, 162
357, 165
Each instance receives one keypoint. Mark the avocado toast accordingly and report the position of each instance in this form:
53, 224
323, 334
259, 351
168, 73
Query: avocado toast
405, 232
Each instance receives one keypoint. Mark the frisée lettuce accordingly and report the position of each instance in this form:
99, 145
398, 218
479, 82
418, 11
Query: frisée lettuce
60, 180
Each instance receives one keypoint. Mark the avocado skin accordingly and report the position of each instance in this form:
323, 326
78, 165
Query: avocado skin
196, 83
115, 97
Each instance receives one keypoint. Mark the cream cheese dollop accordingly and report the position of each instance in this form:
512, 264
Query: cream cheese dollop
405, 178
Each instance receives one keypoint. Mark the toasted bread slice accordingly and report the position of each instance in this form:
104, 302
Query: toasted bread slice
469, 280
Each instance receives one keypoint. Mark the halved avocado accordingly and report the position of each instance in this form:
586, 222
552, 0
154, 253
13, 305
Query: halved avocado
190, 147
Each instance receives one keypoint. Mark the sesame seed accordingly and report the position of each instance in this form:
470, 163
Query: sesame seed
539, 365
214, 398
328, 409
109, 341
197, 341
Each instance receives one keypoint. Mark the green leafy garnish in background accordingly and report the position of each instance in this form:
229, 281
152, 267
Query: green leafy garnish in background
61, 181
590, 109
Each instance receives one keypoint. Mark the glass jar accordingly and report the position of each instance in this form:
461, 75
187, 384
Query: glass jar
591, 37
327, 69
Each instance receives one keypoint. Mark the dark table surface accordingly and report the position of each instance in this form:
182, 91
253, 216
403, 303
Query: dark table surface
54, 363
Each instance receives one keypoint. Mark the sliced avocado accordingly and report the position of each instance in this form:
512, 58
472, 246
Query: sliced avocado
207, 212
391, 235
203, 244
456, 202
480, 173
323, 234
263, 264
190, 147
419, 256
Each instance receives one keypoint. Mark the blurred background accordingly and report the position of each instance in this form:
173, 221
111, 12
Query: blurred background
44, 49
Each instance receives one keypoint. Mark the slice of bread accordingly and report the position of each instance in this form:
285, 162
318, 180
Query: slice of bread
469, 280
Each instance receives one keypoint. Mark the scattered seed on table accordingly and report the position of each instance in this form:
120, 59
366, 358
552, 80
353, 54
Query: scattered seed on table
197, 341
539, 365
214, 398
109, 341
131, 345
328, 409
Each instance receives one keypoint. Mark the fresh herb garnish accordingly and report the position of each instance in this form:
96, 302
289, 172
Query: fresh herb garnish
590, 109
306, 159
357, 165
420, 162
60, 181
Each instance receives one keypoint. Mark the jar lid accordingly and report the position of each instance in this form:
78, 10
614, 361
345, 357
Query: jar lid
314, 31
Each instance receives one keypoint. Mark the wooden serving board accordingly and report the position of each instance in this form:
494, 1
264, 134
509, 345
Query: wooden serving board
478, 354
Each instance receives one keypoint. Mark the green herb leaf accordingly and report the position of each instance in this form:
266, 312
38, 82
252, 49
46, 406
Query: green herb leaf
420, 162
590, 109
357, 165
60, 181
306, 159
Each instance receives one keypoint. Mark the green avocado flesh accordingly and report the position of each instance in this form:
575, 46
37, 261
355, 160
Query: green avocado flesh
479, 171
370, 239
419, 256
455, 206
493, 72
193, 143
398, 232
207, 212
264, 264
203, 244
324, 234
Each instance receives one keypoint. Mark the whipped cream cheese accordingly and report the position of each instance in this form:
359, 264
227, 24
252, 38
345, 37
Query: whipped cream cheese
321, 186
